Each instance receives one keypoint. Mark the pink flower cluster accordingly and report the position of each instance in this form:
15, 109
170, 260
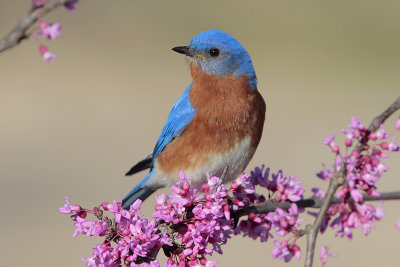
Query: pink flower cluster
200, 219
286, 251
280, 189
49, 30
190, 224
362, 169
138, 240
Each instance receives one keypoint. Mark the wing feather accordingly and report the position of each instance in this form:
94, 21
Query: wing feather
181, 114
179, 117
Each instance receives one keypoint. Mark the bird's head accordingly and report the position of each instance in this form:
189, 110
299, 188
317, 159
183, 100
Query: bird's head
218, 53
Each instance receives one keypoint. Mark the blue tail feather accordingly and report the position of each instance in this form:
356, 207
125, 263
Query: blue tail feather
138, 192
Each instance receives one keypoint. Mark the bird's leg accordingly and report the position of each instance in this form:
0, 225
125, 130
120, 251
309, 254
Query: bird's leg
223, 175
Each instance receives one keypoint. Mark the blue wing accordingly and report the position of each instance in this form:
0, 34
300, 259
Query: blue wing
179, 117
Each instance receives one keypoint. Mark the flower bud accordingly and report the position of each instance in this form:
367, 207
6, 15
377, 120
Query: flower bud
205, 188
384, 145
234, 185
178, 191
106, 205
348, 142
185, 186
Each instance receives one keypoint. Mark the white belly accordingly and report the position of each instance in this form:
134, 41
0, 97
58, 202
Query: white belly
236, 161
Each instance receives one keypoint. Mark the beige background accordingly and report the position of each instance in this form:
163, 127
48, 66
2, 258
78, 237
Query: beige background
73, 127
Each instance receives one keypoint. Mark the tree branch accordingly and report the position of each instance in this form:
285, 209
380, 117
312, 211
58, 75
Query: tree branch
312, 202
20, 31
337, 180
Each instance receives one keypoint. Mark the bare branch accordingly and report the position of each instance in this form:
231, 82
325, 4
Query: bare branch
20, 31
313, 202
337, 180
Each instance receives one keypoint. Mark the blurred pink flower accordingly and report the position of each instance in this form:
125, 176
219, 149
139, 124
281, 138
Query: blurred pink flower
398, 123
325, 254
46, 55
50, 31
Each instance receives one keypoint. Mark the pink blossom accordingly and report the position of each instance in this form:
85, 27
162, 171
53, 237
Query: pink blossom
200, 220
135, 236
50, 31
284, 221
398, 123
356, 195
356, 124
46, 55
244, 180
90, 228
393, 146
325, 254
283, 188
318, 192
68, 209
398, 224
380, 134
39, 3
284, 250
330, 141
325, 174
363, 169
70, 5
256, 226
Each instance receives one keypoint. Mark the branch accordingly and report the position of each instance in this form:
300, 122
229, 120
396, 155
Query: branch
337, 180
313, 202
20, 31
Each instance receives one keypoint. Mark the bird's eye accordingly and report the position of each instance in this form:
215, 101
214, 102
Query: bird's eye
214, 52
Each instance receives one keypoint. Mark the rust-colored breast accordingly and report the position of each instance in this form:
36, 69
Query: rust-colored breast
226, 113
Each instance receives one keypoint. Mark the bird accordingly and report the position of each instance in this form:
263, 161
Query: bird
214, 127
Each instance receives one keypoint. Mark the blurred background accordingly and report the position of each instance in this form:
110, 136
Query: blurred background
73, 127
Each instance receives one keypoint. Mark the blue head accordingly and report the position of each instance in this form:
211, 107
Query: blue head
218, 53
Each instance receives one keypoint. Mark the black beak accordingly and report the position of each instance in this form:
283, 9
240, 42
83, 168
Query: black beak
186, 50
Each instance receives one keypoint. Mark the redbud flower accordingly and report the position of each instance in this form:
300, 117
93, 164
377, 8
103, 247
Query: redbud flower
398, 224
50, 31
39, 3
325, 254
318, 192
356, 124
284, 221
70, 5
398, 123
362, 170
325, 174
68, 209
393, 146
330, 141
46, 55
284, 250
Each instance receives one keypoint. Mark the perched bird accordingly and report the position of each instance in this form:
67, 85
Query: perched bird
215, 125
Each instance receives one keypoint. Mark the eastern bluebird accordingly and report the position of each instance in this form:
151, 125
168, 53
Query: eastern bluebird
216, 124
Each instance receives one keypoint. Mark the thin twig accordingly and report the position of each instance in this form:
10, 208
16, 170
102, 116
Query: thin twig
313, 202
20, 31
337, 180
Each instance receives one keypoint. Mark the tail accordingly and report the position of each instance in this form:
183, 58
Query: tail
142, 165
138, 192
